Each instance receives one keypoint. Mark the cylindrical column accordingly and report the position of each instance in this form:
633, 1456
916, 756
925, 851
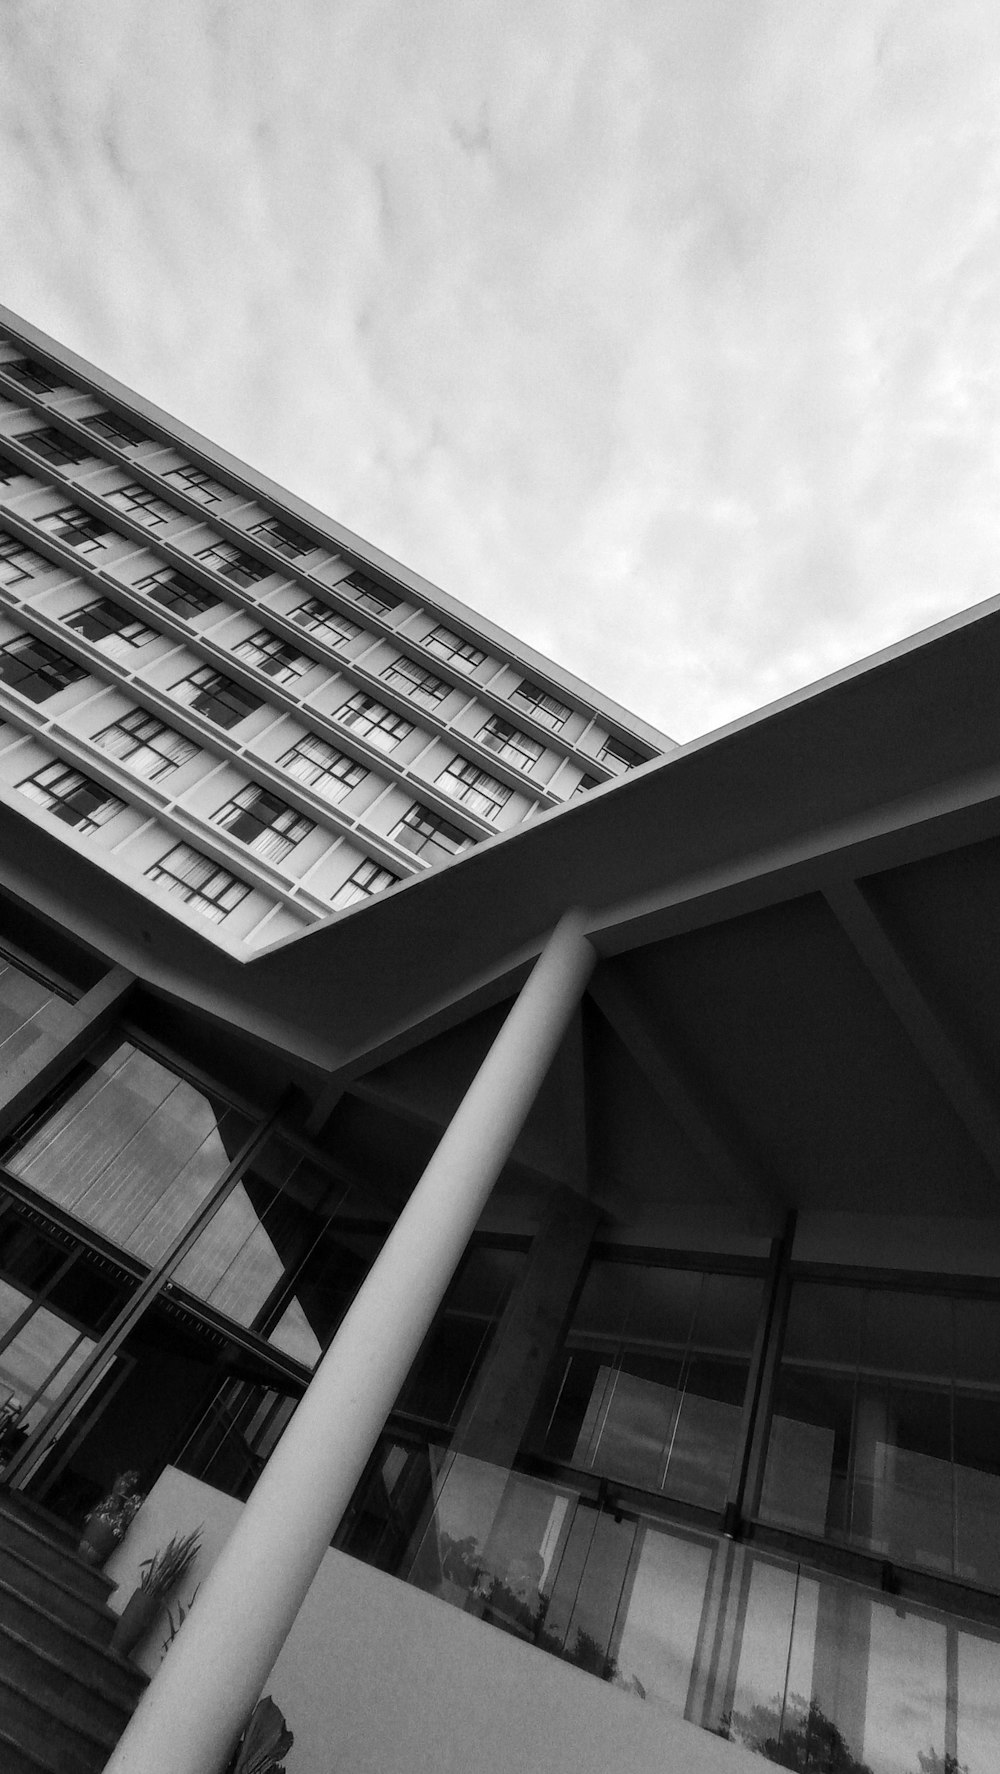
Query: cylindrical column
197, 1703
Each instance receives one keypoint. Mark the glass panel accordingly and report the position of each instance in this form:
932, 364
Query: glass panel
439, 1381
21, 1000
132, 1152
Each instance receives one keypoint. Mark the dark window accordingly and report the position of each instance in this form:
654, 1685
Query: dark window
545, 708
509, 742
584, 786
377, 723
9, 470
451, 647
110, 627
326, 624
37, 670
176, 592
78, 528
241, 568
217, 697
428, 835
282, 537
31, 375
196, 484
53, 445
150, 749
272, 655
324, 769
139, 503
71, 796
16, 561
266, 824
404, 674
371, 595
619, 756
368, 878
116, 430
201, 883
467, 783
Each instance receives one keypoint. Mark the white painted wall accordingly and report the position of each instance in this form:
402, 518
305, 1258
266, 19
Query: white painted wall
378, 1678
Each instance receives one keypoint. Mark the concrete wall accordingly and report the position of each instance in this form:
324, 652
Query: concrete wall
378, 1678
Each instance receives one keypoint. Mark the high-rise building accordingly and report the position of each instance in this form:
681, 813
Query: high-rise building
231, 701
596, 1240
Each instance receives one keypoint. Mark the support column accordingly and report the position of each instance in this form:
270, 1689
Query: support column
65, 1032
199, 1700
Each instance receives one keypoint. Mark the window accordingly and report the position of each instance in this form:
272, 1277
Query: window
465, 782
263, 823
241, 568
116, 430
71, 796
110, 627
9, 471
144, 506
324, 769
217, 697
78, 528
35, 669
145, 745
510, 743
451, 647
619, 756
368, 878
371, 595
376, 723
16, 561
405, 675
176, 592
326, 624
276, 657
31, 375
282, 537
584, 786
196, 484
53, 445
211, 890
428, 835
545, 708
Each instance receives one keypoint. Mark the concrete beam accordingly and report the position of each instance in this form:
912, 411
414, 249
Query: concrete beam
704, 1123
64, 1034
951, 1067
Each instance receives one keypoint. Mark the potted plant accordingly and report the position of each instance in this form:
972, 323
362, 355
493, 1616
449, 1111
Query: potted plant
106, 1525
265, 1740
161, 1573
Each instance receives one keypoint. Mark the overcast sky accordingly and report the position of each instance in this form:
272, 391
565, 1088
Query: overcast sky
664, 332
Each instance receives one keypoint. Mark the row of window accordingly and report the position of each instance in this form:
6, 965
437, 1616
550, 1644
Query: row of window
85, 532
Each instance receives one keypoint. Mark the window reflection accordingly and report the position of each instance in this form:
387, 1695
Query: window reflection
651, 1386
886, 1431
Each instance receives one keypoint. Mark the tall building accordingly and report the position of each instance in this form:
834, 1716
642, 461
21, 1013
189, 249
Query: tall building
232, 701
638, 1175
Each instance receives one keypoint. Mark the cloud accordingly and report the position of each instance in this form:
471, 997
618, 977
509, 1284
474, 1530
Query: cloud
666, 336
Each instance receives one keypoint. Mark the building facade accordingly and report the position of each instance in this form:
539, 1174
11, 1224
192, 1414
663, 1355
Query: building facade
693, 1456
235, 702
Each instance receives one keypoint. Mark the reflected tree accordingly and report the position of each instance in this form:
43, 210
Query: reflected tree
933, 1762
800, 1736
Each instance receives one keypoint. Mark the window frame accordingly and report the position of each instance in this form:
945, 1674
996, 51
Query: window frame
145, 743
212, 686
193, 893
106, 808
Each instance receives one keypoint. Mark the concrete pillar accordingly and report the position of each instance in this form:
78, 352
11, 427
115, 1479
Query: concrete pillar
501, 1402
199, 1700
63, 1033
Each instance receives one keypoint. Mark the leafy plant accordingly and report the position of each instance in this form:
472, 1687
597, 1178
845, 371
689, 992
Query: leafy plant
165, 1569
264, 1742
183, 1610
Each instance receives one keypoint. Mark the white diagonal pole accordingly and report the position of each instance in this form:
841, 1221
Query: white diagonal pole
198, 1702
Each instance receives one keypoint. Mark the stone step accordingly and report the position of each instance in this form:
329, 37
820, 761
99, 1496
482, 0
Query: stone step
37, 1730
54, 1525
48, 1591
34, 1544
80, 1703
16, 1760
110, 1675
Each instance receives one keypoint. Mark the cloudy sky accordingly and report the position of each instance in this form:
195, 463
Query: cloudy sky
665, 332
